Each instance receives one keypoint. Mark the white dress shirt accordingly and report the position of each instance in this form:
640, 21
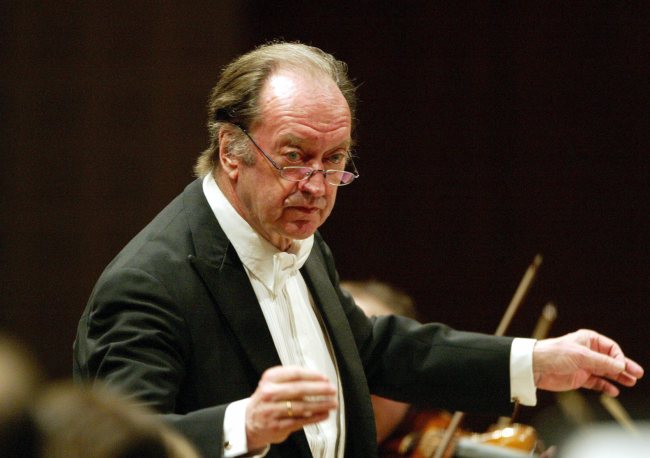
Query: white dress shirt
297, 332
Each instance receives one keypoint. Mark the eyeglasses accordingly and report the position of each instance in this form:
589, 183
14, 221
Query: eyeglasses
301, 173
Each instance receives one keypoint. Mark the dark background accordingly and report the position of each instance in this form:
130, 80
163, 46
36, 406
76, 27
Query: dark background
488, 132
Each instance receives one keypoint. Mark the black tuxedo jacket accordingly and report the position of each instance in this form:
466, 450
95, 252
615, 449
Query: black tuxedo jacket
174, 322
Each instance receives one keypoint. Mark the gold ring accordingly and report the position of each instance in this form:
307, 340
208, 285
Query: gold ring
289, 409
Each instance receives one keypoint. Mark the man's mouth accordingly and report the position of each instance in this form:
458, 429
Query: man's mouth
306, 209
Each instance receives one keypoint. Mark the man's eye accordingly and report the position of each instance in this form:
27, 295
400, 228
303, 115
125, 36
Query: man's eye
337, 158
292, 156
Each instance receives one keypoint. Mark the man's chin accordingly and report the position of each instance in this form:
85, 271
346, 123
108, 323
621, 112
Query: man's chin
301, 230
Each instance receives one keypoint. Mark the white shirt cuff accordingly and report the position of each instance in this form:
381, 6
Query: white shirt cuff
522, 382
234, 431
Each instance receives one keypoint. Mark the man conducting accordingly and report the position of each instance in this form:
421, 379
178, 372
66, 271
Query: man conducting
225, 312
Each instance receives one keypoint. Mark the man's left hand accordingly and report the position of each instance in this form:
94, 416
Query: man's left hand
583, 359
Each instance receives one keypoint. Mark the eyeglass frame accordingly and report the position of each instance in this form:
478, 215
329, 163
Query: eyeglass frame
312, 171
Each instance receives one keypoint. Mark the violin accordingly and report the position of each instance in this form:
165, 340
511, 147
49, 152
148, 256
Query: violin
422, 433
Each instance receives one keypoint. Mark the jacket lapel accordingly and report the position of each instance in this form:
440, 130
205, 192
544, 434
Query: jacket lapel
328, 302
235, 299
359, 415
222, 272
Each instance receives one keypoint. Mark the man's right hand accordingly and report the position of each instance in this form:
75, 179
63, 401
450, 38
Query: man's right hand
286, 399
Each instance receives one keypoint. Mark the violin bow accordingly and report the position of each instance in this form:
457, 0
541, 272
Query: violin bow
546, 319
541, 331
515, 302
616, 410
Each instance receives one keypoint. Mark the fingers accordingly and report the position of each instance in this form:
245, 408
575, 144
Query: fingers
602, 365
284, 426
286, 399
602, 385
626, 378
606, 346
303, 410
606, 360
280, 384
296, 390
633, 369
280, 374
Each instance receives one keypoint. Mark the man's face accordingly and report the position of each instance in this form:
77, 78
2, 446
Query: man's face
305, 121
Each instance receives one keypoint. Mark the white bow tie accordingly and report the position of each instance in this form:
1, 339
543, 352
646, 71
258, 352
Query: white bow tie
284, 266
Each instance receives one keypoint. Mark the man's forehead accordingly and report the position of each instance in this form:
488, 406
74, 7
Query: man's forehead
304, 108
295, 140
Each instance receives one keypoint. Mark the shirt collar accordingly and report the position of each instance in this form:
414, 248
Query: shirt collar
270, 265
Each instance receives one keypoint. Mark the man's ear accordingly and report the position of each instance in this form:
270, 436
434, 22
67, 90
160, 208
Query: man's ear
229, 162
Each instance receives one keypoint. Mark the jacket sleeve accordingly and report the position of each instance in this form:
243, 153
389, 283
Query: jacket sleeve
133, 337
429, 364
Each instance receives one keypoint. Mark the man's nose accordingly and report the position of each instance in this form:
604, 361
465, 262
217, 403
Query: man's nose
315, 184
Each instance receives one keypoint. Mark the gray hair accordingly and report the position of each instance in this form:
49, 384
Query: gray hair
235, 97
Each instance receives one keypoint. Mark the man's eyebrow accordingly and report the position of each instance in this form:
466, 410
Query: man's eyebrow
292, 140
